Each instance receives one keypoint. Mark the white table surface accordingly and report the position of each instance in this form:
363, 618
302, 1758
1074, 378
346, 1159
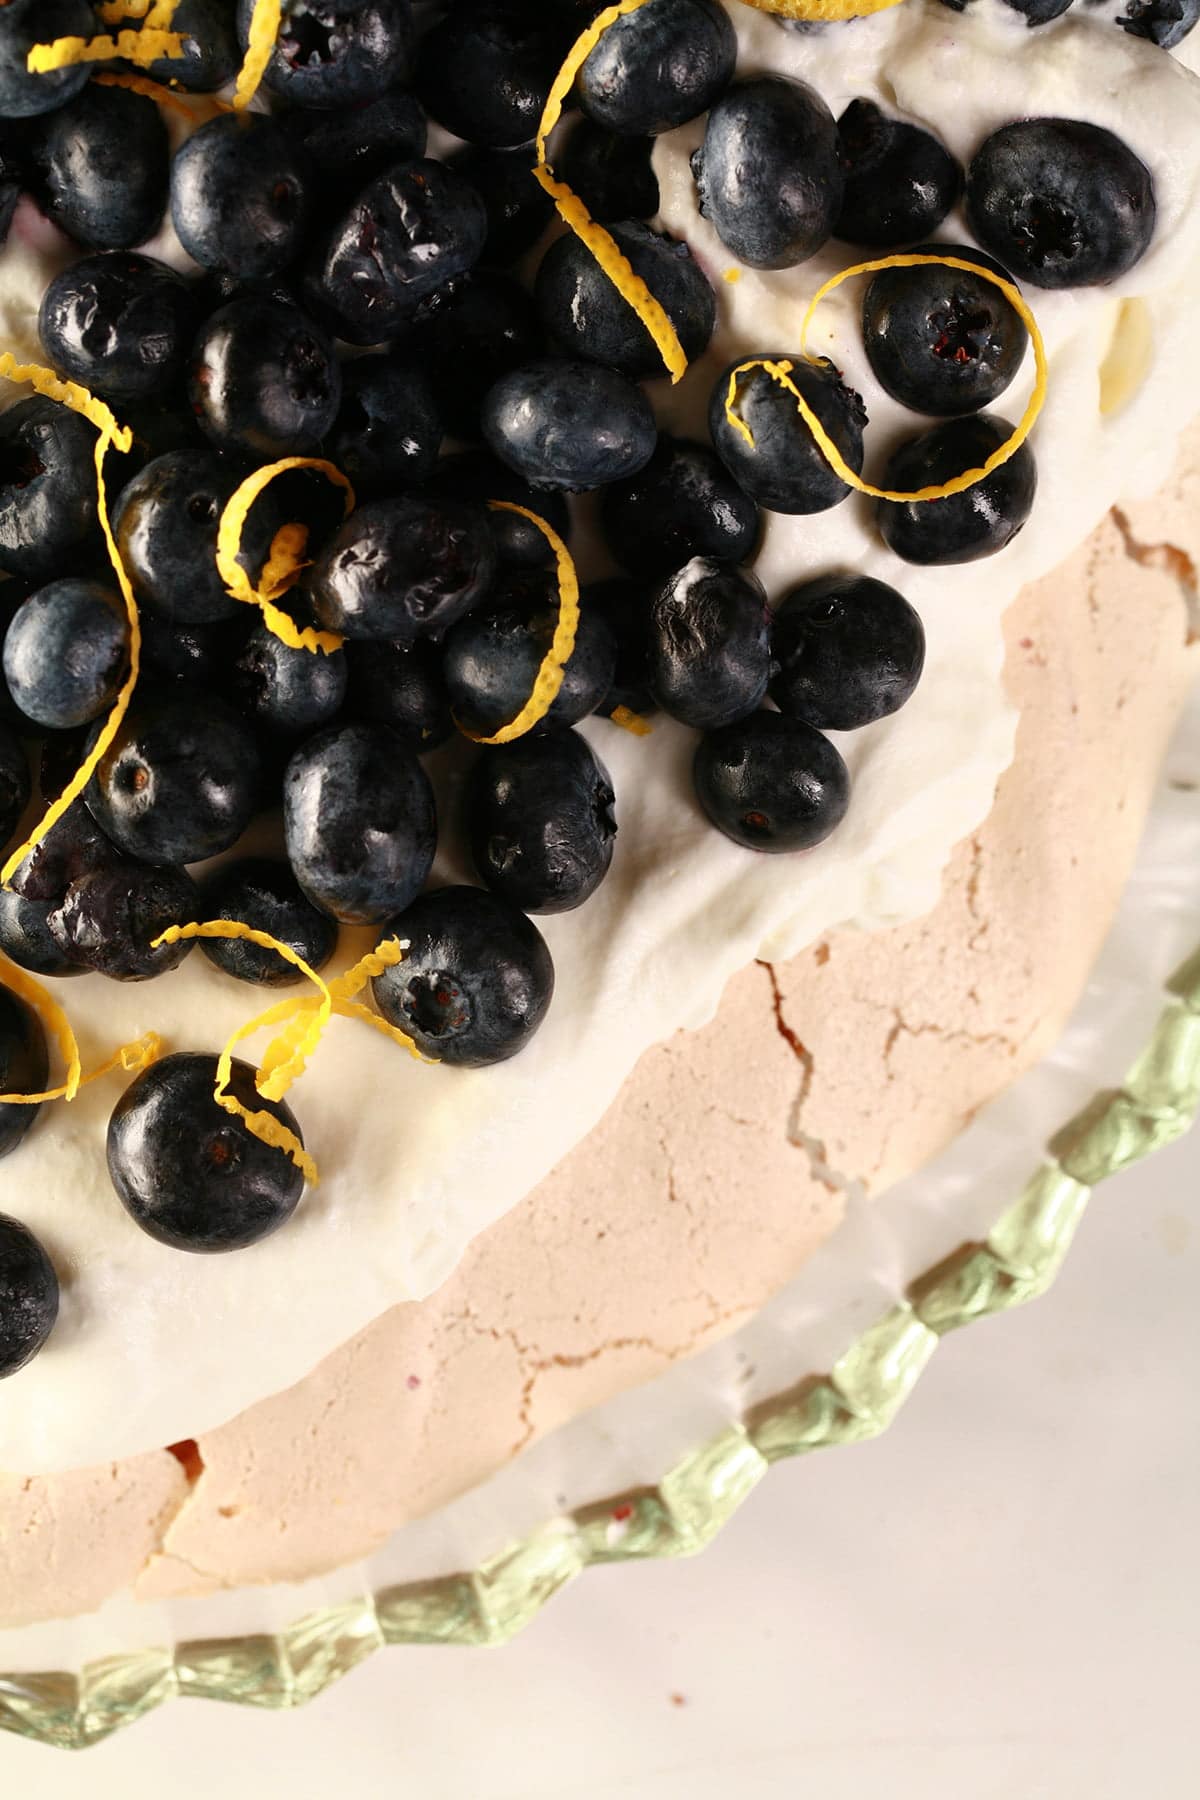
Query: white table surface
1028, 1628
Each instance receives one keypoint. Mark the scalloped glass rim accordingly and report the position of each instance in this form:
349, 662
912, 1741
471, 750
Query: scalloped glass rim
862, 1392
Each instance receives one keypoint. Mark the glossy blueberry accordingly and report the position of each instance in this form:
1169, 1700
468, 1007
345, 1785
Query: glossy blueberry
626, 606
15, 787
485, 69
191, 1174
209, 56
336, 53
24, 23
166, 529
266, 896
900, 182
1061, 202
517, 209
784, 133
967, 526
613, 176
26, 940
238, 200
541, 822
1163, 22
479, 476
264, 380
100, 167
476, 980
66, 653
684, 503
28, 1295
401, 686
24, 1066
180, 780
848, 650
108, 921
709, 645
360, 822
410, 231
482, 327
771, 783
343, 150
286, 691
404, 568
586, 314
47, 488
492, 657
73, 847
119, 324
783, 469
569, 425
389, 427
659, 67
939, 340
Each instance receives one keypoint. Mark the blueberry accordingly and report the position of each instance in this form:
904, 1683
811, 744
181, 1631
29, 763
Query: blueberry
108, 921
73, 847
569, 425
517, 209
118, 323
900, 182
28, 1296
100, 167
709, 654
939, 340
180, 780
769, 172
345, 149
166, 529
485, 68
1061, 202
66, 653
684, 503
410, 230
336, 53
771, 783
404, 568
401, 686
967, 526
15, 787
266, 896
626, 606
589, 317
238, 200
191, 1174
47, 488
493, 656
209, 56
1040, 12
24, 1066
476, 980
286, 691
848, 650
198, 653
483, 327
540, 821
14, 178
26, 940
264, 380
477, 475
784, 470
360, 822
24, 23
659, 67
1163, 22
613, 176
388, 428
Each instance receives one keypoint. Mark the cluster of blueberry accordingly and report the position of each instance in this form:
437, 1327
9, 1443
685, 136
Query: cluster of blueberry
358, 299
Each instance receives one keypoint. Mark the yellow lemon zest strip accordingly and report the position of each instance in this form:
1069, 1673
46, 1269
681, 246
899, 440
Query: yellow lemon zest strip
154, 90
781, 373
68, 393
823, 9
284, 562
55, 1023
384, 956
550, 675
111, 12
141, 47
575, 214
132, 1058
260, 41
630, 721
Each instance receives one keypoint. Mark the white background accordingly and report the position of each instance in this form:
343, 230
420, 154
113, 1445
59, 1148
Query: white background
1000, 1598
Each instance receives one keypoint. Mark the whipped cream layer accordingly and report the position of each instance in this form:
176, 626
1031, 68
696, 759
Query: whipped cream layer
154, 1345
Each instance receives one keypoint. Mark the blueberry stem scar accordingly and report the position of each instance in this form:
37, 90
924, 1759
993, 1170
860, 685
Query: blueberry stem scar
781, 373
